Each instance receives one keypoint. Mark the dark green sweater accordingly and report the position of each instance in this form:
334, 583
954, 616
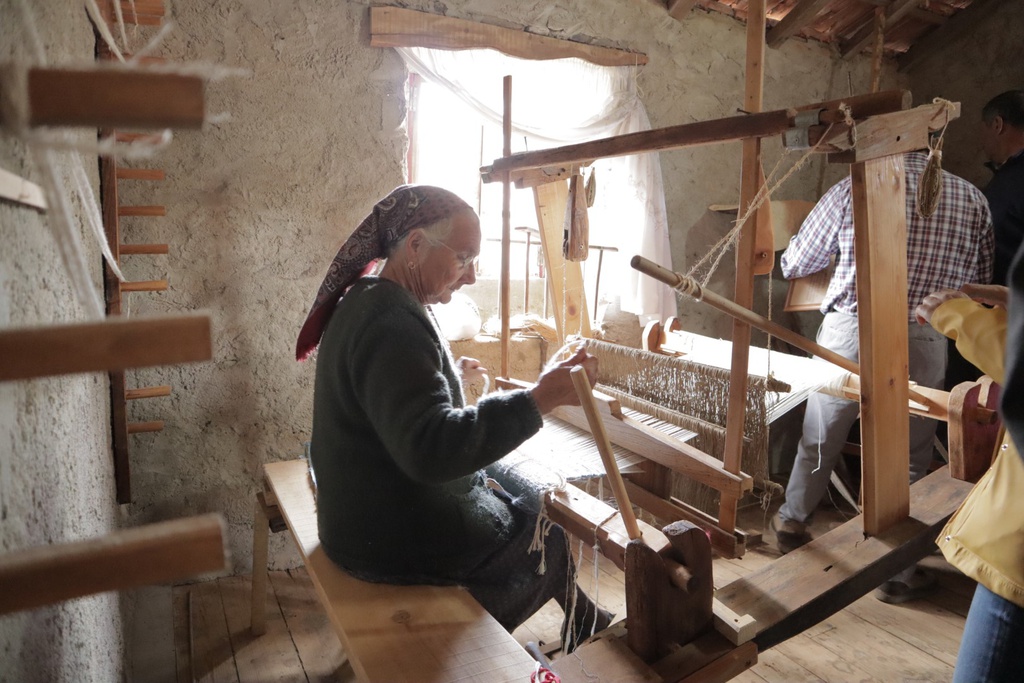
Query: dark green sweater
395, 452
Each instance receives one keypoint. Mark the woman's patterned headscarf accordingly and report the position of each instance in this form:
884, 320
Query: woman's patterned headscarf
405, 208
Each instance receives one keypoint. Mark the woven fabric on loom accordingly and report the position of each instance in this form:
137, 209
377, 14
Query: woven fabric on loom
698, 396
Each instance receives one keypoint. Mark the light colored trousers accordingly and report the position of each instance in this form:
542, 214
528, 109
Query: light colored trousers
828, 419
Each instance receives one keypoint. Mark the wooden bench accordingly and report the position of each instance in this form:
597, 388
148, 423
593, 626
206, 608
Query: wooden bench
390, 633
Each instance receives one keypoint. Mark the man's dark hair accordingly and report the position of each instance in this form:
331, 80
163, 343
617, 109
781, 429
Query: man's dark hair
1008, 105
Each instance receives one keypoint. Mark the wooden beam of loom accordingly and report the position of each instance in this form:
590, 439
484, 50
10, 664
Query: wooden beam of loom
727, 129
895, 133
817, 580
564, 278
880, 247
691, 287
120, 97
650, 443
146, 555
397, 27
587, 518
113, 344
751, 180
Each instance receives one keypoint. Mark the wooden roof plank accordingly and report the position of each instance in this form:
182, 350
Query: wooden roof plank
802, 14
957, 25
893, 14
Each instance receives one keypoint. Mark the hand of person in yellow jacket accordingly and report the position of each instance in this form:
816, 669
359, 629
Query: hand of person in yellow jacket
991, 295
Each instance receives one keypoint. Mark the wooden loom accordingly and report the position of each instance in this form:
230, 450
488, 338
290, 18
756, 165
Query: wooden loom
900, 521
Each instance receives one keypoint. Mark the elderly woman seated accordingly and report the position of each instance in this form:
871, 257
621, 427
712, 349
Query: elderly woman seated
397, 454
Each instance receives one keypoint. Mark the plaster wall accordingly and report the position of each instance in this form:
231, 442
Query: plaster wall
56, 475
258, 203
971, 70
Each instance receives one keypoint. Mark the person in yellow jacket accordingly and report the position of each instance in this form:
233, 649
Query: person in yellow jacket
985, 538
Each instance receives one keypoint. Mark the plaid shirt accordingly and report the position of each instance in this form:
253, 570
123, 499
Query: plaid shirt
945, 250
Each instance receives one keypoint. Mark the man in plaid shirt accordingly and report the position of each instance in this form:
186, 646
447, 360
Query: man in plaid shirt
945, 250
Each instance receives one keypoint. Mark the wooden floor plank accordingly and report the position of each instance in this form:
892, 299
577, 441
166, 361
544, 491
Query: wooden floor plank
179, 614
882, 655
774, 666
925, 626
820, 661
318, 647
213, 658
258, 658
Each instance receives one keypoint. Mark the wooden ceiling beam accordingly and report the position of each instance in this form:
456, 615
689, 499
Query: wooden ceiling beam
797, 19
961, 23
919, 14
896, 10
680, 9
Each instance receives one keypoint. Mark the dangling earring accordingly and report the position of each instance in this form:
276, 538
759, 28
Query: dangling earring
412, 265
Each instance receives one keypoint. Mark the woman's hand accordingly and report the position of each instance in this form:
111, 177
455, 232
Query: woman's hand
927, 307
991, 295
470, 369
555, 386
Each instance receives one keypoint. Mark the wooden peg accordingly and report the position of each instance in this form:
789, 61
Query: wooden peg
144, 286
140, 427
131, 98
141, 211
135, 249
146, 555
147, 392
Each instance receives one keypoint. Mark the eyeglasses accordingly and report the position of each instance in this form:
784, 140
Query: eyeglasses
465, 262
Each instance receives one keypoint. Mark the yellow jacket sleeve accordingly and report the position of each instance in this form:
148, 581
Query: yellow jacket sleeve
979, 333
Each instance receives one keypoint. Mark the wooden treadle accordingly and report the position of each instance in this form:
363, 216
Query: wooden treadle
809, 584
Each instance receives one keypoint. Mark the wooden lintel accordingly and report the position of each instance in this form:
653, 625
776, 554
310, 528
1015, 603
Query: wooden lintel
811, 583
113, 344
797, 19
132, 98
727, 129
398, 27
146, 555
16, 189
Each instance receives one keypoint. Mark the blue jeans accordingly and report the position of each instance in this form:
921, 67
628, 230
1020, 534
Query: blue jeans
992, 649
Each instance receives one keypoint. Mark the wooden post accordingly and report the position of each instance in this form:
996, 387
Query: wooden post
880, 249
744, 294
260, 553
506, 225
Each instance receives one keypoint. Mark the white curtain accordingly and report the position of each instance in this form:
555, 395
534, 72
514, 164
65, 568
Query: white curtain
566, 101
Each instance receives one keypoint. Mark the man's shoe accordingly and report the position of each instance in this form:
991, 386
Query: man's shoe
921, 585
789, 535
